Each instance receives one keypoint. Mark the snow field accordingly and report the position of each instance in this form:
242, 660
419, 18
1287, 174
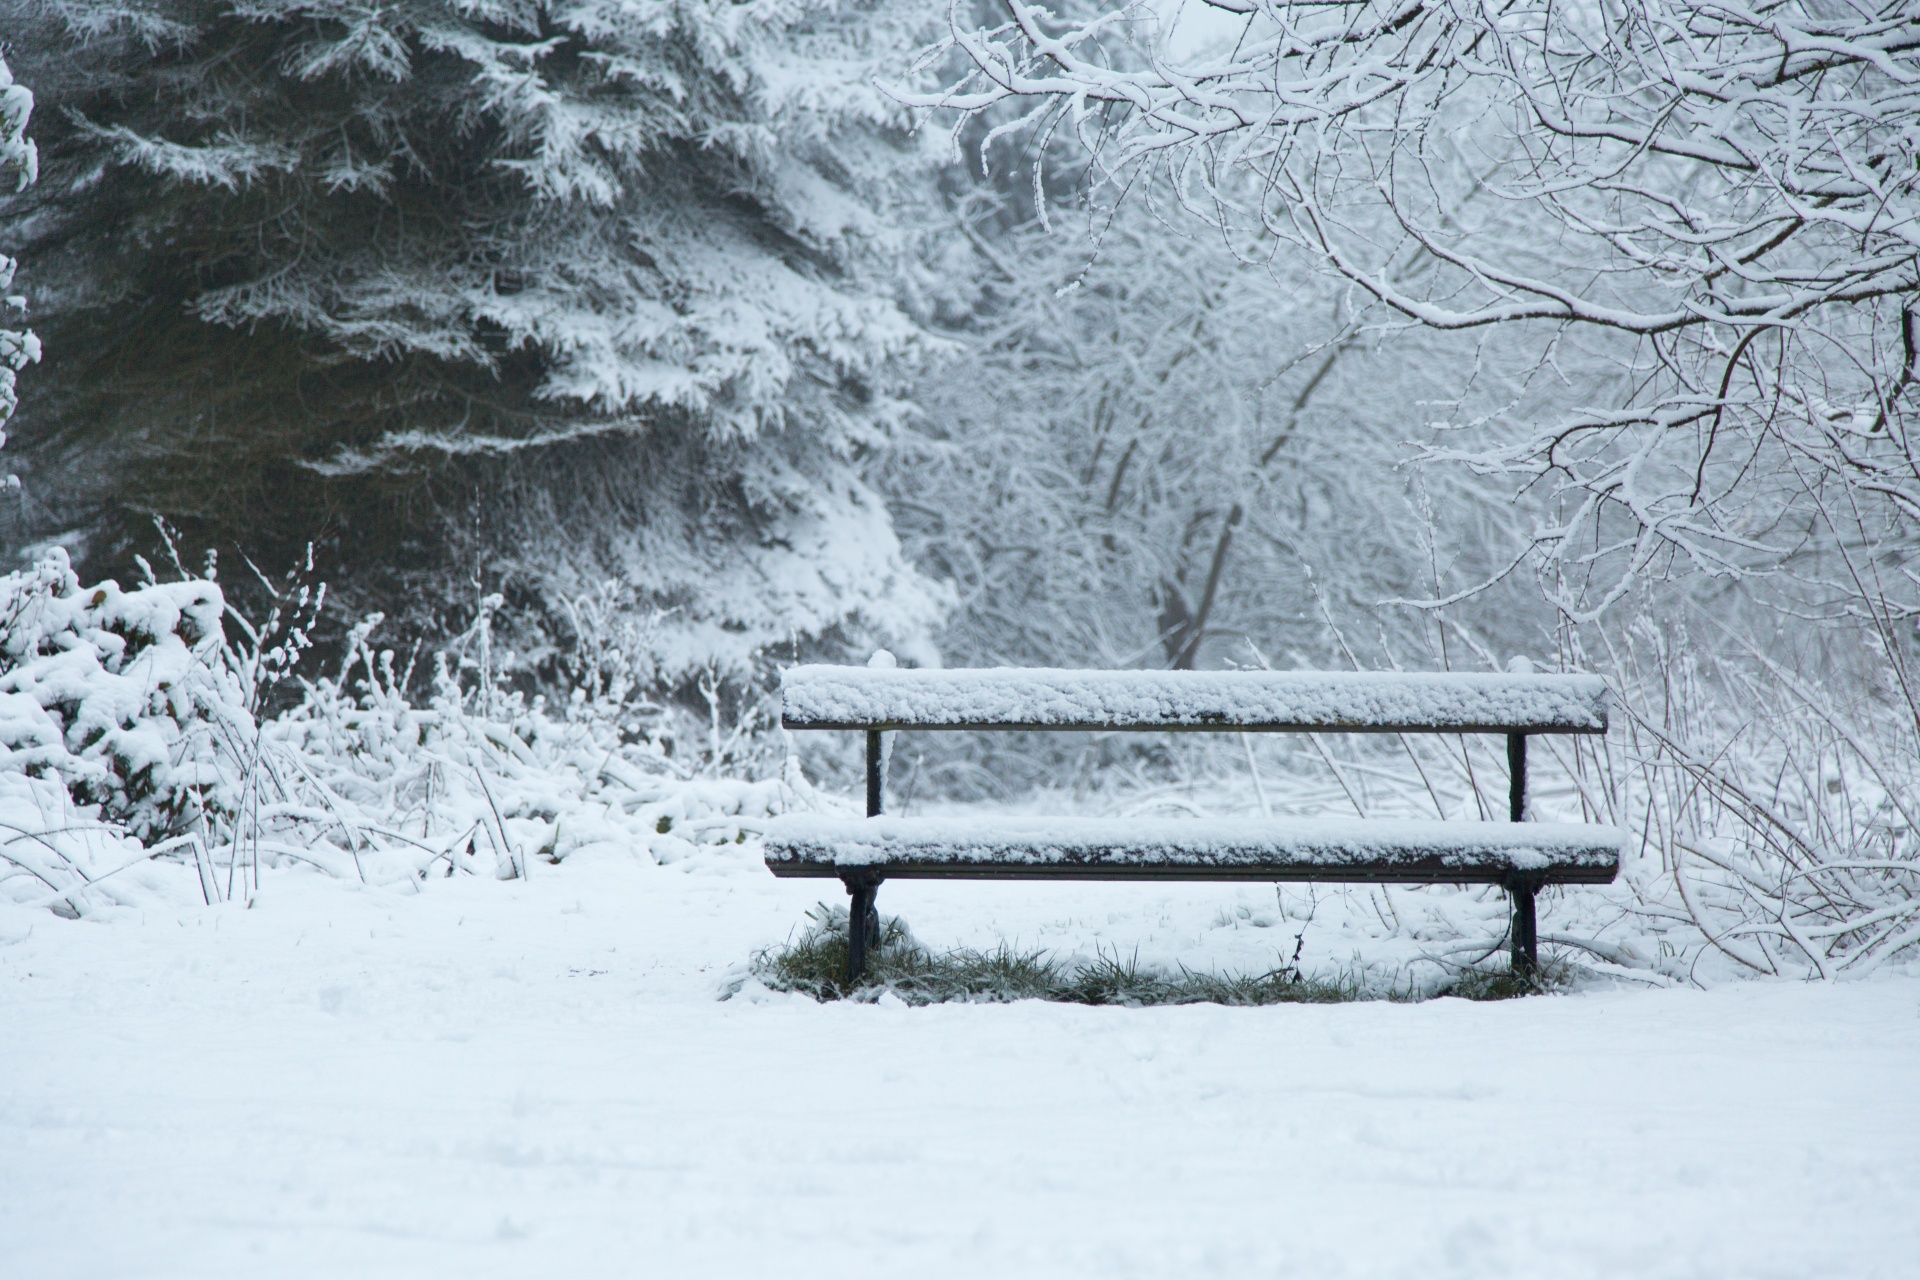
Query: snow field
536, 1078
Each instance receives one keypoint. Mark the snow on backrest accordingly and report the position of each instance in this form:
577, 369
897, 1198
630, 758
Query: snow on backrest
826, 697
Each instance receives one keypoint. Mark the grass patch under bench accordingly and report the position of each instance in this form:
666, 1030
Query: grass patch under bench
815, 964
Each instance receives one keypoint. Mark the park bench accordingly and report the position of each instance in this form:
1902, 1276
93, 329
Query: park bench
1520, 856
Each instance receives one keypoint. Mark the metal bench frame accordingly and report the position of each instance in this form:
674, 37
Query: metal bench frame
862, 886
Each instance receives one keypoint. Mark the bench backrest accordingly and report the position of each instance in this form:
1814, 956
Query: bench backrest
826, 697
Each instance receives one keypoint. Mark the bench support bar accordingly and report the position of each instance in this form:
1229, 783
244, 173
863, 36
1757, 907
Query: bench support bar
876, 772
1516, 777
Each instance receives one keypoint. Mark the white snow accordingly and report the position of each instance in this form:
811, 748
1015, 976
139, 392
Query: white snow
818, 696
1426, 849
536, 1078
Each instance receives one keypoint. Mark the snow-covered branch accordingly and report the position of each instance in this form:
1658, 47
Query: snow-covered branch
1731, 193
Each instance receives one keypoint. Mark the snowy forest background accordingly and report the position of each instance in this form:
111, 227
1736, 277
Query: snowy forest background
442, 419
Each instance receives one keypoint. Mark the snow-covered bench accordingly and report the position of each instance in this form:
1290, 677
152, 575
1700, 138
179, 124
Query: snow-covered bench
1522, 857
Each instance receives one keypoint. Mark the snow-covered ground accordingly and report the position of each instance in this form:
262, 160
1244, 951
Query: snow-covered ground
538, 1078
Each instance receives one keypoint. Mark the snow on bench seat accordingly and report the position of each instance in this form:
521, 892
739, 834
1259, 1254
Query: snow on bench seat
1332, 849
830, 697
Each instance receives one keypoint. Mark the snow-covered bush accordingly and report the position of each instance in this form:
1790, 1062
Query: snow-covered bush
479, 779
128, 735
126, 697
1778, 804
125, 731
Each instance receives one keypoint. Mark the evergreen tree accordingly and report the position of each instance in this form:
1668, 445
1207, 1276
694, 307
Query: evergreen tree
521, 294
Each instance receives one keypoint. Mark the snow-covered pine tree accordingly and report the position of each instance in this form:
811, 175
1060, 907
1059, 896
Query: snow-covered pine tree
538, 292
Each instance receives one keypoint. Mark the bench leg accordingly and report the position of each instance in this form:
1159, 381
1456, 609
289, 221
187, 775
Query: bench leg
863, 920
863, 927
1526, 936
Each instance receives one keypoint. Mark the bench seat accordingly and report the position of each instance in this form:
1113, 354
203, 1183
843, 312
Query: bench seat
1353, 850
